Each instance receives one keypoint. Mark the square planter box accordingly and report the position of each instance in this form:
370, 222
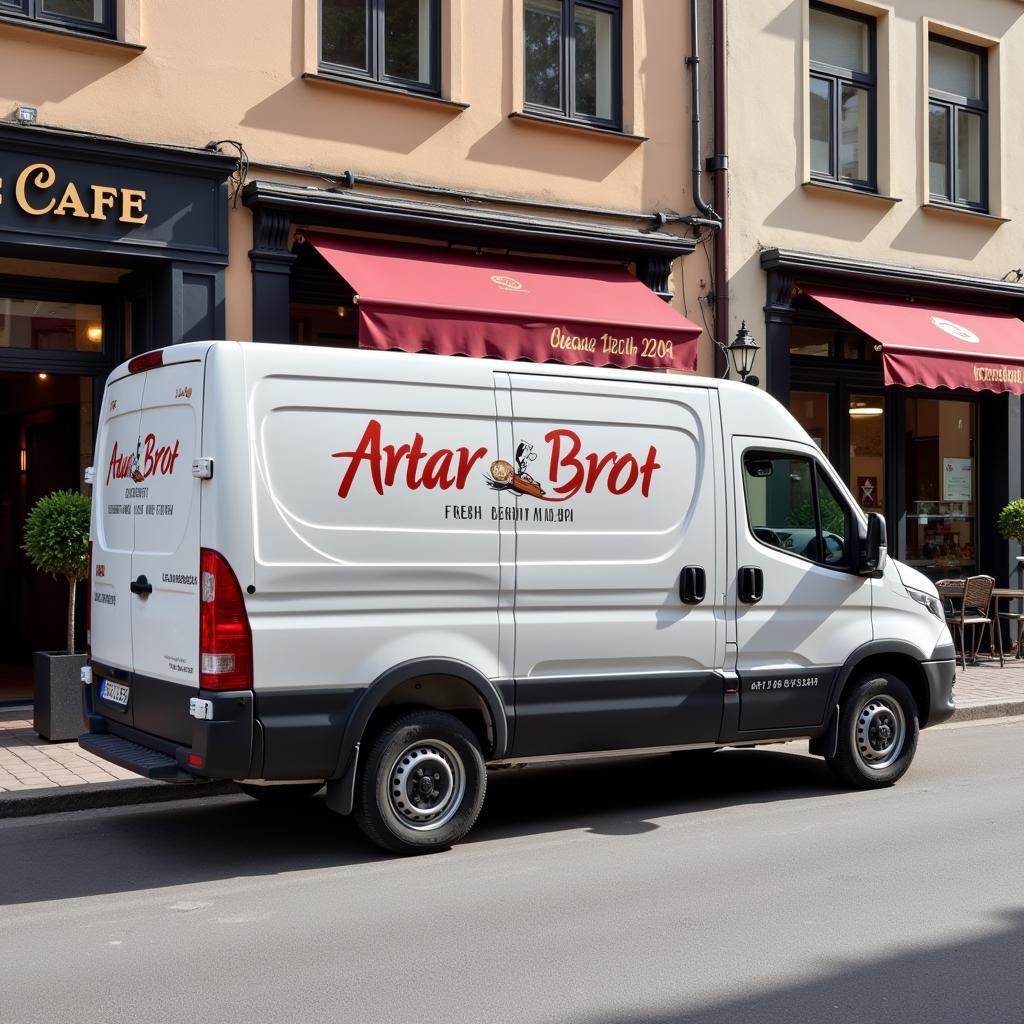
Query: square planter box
57, 698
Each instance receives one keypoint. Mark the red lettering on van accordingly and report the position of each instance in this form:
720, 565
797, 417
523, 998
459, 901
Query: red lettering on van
624, 472
120, 465
444, 468
158, 460
147, 460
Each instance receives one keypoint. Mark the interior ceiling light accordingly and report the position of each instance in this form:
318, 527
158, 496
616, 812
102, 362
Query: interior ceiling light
94, 333
862, 409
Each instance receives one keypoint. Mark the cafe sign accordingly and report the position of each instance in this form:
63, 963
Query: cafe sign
104, 195
40, 191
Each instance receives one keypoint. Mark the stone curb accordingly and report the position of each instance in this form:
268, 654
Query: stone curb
96, 795
997, 709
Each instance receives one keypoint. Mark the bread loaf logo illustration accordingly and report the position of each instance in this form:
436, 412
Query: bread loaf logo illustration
506, 478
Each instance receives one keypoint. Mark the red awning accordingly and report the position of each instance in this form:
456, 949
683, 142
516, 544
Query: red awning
937, 346
435, 300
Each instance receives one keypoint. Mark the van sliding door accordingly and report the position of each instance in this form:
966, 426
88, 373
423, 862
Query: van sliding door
617, 515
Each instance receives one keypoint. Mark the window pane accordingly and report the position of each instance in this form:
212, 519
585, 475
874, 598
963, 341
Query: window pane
821, 126
941, 486
835, 524
867, 450
407, 40
953, 70
853, 133
543, 42
938, 151
810, 410
50, 326
594, 63
968, 157
840, 41
810, 341
343, 33
780, 505
82, 10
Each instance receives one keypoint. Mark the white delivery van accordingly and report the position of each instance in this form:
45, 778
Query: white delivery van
386, 572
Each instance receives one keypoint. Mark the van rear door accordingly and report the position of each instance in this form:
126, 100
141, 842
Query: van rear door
114, 531
165, 562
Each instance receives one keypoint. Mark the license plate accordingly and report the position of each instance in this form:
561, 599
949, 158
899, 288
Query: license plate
116, 693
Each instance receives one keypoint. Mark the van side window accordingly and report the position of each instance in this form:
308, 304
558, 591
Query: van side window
792, 505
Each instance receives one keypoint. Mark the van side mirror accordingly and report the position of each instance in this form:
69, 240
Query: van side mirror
873, 556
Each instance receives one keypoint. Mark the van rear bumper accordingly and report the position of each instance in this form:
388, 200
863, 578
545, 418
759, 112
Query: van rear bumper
221, 747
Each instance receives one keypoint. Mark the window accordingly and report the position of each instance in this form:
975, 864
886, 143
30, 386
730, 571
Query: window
573, 59
82, 15
842, 97
394, 42
957, 124
793, 506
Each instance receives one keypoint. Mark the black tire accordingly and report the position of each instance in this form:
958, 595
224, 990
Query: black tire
421, 749
284, 793
878, 730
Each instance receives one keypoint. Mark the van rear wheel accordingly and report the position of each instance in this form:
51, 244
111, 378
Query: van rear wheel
878, 731
421, 786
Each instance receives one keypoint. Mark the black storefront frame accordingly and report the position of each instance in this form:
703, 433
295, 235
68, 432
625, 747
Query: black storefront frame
998, 425
276, 207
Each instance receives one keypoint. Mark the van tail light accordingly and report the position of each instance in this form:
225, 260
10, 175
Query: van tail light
88, 606
225, 639
147, 361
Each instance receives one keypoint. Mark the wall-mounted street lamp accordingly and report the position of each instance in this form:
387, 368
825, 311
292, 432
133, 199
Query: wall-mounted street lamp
741, 351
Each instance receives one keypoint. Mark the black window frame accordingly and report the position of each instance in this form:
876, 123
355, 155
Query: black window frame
32, 11
818, 473
374, 73
953, 104
836, 77
567, 83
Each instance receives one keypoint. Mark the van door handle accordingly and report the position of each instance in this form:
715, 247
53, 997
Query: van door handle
751, 583
693, 584
141, 586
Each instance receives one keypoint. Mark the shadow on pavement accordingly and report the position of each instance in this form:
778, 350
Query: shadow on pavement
972, 979
132, 849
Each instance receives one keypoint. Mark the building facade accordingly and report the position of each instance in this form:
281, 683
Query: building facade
874, 249
172, 171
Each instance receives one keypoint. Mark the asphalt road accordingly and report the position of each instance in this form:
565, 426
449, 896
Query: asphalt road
746, 888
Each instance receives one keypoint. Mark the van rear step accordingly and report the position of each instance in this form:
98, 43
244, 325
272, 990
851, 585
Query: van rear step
150, 764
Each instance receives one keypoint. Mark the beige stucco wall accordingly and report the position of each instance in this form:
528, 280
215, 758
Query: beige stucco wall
771, 207
232, 69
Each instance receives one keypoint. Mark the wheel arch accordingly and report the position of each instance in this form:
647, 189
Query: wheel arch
896, 657
443, 684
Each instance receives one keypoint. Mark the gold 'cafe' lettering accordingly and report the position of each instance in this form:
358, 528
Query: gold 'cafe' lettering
36, 194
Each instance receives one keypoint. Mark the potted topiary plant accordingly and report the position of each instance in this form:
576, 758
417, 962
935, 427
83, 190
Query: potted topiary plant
1011, 525
57, 542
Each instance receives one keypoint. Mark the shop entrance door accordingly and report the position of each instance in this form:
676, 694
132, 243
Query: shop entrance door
45, 443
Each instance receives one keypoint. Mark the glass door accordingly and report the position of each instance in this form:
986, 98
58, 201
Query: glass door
941, 488
865, 474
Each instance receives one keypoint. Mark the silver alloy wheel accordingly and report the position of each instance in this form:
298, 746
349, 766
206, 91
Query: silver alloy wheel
425, 785
880, 731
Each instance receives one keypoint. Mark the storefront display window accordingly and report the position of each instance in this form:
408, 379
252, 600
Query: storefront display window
49, 325
941, 486
810, 410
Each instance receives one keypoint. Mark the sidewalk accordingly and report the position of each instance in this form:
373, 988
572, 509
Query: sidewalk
37, 777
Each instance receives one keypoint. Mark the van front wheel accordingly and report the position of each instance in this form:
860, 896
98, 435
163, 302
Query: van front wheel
878, 730
422, 784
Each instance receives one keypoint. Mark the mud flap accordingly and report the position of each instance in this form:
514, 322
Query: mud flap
341, 792
827, 743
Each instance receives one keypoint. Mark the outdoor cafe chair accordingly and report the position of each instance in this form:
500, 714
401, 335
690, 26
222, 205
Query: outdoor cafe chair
975, 599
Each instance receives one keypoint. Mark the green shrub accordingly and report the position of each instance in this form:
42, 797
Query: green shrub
1011, 521
57, 542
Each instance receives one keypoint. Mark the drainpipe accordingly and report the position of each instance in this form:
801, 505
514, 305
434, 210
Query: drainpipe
719, 167
693, 61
